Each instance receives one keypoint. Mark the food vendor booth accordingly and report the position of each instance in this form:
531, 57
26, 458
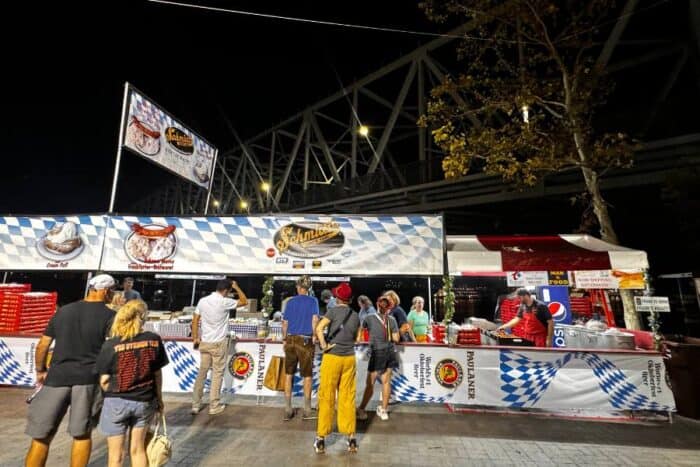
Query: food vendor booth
575, 381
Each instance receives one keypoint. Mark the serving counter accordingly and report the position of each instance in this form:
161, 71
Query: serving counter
570, 380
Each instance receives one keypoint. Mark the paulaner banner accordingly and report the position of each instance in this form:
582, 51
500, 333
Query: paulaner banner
153, 134
598, 382
372, 245
607, 382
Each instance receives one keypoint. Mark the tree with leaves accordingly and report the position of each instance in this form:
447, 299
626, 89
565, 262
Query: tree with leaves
449, 300
525, 102
267, 293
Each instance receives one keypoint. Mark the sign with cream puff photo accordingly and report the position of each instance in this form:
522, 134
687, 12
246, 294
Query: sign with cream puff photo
155, 135
61, 242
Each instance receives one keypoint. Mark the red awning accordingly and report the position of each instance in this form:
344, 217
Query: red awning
490, 254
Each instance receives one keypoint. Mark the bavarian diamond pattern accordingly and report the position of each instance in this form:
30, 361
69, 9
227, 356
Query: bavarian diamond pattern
526, 380
19, 237
375, 245
403, 391
11, 372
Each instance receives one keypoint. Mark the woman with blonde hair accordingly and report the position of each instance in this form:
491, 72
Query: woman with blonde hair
418, 319
129, 367
118, 301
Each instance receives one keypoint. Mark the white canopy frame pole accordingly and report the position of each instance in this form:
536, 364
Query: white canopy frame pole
194, 290
430, 301
122, 126
87, 283
211, 183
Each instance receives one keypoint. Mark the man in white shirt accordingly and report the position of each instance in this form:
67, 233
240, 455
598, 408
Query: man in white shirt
213, 314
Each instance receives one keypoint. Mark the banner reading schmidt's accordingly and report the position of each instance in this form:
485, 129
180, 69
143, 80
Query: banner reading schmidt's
152, 133
357, 245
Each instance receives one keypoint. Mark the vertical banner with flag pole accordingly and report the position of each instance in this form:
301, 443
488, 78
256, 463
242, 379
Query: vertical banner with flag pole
211, 185
152, 133
119, 149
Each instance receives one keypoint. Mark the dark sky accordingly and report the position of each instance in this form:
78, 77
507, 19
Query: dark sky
66, 67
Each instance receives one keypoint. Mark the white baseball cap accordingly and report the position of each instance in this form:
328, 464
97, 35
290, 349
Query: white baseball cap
102, 281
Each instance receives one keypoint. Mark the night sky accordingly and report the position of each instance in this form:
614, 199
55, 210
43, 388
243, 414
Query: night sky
68, 64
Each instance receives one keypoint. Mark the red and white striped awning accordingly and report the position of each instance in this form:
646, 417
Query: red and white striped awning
492, 255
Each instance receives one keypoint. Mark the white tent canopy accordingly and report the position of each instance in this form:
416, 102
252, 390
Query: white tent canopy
491, 255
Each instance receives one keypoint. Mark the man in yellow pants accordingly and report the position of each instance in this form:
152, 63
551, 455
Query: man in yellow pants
338, 369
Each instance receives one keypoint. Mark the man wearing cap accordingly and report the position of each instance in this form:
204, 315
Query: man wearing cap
538, 325
299, 320
212, 313
338, 369
78, 329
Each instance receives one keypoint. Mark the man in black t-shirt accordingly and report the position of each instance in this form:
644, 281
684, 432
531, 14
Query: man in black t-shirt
78, 329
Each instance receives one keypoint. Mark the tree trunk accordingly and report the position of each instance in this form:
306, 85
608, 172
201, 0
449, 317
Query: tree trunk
607, 233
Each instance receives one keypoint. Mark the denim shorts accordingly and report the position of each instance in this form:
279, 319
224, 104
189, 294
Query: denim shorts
118, 415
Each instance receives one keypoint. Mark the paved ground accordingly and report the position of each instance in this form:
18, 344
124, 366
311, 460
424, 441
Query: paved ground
246, 434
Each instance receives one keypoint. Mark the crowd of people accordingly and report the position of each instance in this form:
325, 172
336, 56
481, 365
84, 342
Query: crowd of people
107, 370
104, 368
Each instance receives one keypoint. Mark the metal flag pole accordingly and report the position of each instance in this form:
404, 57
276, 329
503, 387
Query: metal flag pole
122, 125
194, 291
87, 283
211, 182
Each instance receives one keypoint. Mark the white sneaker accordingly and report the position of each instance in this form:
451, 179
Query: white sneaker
383, 414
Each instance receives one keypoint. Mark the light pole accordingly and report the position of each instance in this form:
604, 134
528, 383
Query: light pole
264, 186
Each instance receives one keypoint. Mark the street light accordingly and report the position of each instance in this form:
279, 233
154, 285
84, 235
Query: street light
363, 130
243, 205
216, 203
526, 114
265, 187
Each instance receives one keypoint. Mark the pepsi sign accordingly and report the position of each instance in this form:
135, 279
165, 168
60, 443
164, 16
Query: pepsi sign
557, 300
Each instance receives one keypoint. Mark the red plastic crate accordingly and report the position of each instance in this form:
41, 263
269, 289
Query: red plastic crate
26, 311
16, 288
581, 306
509, 309
469, 337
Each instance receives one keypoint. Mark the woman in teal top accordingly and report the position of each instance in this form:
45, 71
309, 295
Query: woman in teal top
419, 319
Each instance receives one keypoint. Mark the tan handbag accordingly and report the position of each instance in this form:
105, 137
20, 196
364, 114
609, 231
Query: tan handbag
275, 376
159, 449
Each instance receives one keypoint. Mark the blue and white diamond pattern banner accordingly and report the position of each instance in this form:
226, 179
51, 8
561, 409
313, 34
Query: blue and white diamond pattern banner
16, 361
373, 245
153, 134
58, 242
557, 380
581, 380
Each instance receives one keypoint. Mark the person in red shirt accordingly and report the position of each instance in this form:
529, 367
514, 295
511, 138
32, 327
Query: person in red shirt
536, 319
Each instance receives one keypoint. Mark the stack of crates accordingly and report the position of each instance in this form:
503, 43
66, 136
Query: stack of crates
22, 311
581, 307
469, 337
509, 310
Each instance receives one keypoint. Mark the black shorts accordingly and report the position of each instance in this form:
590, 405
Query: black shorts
382, 359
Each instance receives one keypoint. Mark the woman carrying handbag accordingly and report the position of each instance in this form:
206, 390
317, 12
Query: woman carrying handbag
129, 366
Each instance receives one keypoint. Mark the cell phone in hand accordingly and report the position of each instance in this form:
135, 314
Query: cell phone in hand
33, 395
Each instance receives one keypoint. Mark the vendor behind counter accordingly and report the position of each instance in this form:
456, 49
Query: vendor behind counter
536, 321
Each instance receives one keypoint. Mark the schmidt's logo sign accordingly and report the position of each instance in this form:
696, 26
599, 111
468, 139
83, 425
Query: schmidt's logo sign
309, 239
